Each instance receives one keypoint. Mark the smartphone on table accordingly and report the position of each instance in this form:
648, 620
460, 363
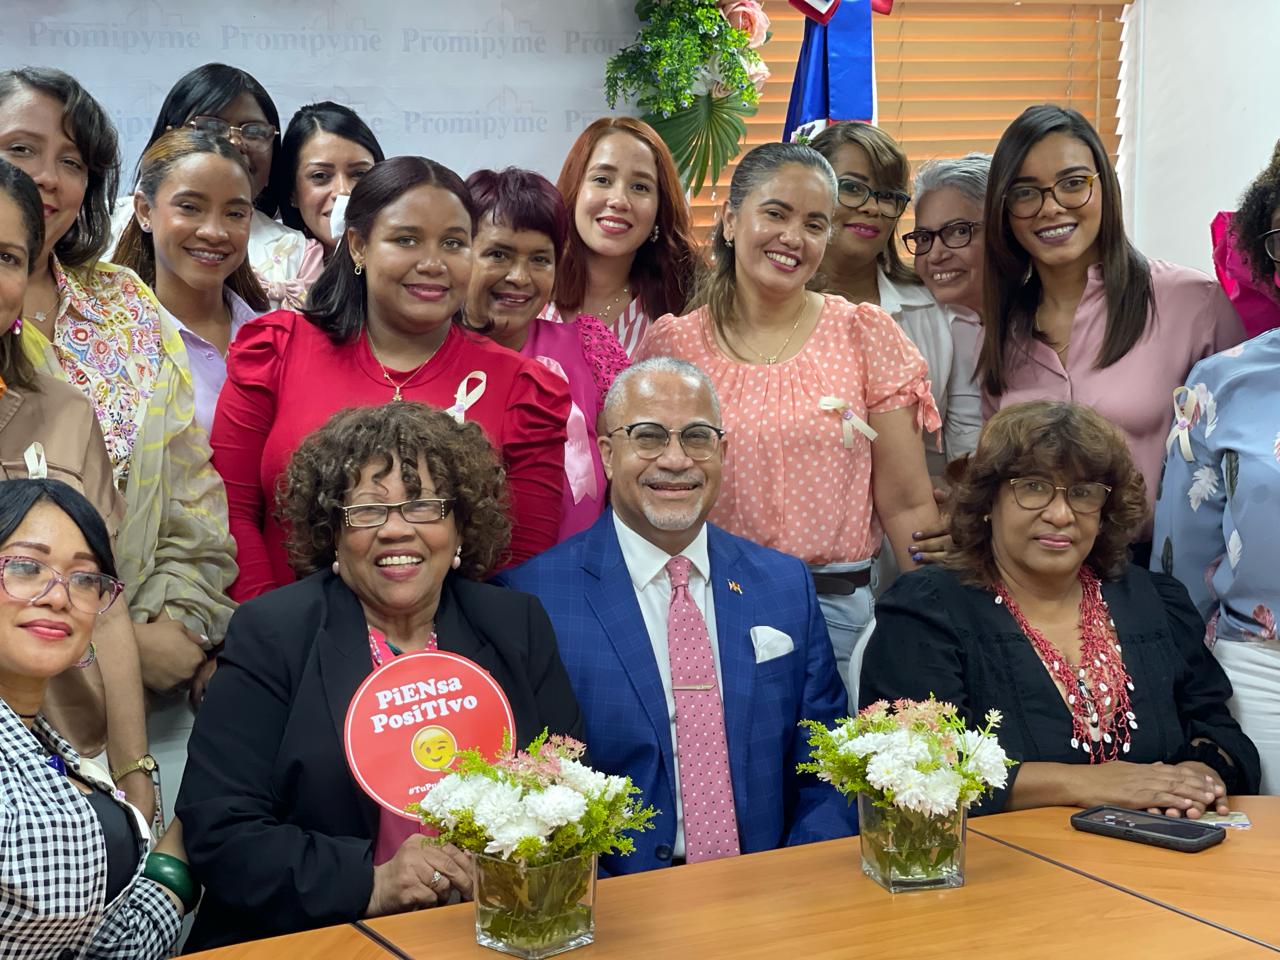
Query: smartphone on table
1172, 833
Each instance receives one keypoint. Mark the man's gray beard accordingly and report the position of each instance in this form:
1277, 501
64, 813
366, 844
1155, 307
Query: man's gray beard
673, 518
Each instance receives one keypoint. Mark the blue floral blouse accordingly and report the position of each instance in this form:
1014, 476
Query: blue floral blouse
1217, 526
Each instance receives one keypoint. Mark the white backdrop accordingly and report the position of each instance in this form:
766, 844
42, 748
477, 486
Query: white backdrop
471, 83
1201, 116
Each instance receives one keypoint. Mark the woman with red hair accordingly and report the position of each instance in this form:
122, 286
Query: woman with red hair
631, 254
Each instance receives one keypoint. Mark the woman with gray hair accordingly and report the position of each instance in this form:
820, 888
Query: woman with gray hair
825, 401
948, 196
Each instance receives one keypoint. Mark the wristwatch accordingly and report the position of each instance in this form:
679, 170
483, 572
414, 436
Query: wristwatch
146, 762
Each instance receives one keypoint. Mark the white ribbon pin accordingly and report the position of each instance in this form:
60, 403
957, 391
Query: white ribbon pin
37, 466
1185, 405
848, 419
466, 396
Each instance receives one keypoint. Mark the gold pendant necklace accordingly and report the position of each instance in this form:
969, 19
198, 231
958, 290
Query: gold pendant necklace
397, 387
607, 314
770, 361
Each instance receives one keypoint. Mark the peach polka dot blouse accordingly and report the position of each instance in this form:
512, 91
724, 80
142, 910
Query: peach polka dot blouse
790, 482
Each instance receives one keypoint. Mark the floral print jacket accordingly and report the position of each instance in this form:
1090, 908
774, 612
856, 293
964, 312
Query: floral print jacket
1217, 523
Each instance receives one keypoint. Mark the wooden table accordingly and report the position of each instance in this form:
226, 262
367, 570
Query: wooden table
1034, 888
330, 943
813, 902
1234, 885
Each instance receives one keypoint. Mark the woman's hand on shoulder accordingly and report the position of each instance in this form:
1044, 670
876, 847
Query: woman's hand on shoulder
405, 881
1184, 789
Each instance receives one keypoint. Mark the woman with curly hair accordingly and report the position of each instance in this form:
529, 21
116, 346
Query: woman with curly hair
396, 514
1099, 666
1221, 483
1246, 250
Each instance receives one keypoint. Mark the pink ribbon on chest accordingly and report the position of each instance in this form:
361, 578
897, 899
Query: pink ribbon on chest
579, 466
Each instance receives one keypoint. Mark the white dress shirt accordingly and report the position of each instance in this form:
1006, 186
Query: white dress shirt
928, 325
647, 564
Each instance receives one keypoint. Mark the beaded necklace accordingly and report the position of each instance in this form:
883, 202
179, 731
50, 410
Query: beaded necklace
380, 650
1098, 690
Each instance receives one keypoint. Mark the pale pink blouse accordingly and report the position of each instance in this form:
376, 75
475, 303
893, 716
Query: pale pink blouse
1193, 320
794, 478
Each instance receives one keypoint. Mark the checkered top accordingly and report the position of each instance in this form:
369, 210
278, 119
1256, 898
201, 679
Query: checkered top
53, 863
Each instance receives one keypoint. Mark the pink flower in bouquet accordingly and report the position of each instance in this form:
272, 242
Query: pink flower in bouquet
759, 74
747, 16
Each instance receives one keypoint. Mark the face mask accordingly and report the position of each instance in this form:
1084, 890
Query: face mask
338, 216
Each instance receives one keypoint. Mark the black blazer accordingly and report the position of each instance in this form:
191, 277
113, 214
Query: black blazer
935, 635
277, 830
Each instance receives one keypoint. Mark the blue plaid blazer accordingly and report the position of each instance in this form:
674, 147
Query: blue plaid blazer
584, 585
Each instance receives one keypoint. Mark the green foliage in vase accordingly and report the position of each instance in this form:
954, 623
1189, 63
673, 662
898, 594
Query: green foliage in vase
534, 806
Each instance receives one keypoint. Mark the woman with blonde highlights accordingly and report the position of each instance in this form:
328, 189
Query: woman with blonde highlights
1098, 666
824, 401
631, 254
863, 265
188, 240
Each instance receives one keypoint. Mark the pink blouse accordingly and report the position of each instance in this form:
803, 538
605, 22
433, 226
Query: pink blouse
797, 474
588, 356
1193, 320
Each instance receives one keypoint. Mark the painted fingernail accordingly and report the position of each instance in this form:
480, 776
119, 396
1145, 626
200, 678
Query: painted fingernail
917, 535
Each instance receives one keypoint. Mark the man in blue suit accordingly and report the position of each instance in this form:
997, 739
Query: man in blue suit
620, 606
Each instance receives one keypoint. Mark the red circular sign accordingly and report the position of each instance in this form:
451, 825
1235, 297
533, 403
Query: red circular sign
412, 715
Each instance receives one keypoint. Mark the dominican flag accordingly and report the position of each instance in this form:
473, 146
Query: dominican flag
835, 75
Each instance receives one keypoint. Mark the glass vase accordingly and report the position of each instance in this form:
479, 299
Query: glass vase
535, 912
904, 850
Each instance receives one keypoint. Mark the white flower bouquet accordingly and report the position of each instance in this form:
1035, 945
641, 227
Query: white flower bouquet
536, 821
915, 769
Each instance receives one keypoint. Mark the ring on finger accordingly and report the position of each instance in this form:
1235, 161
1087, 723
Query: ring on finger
436, 877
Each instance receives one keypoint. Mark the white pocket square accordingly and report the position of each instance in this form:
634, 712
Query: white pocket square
770, 643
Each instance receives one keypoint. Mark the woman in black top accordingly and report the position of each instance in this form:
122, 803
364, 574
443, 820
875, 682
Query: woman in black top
395, 514
1108, 692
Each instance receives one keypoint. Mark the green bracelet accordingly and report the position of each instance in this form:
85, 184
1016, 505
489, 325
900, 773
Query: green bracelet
172, 873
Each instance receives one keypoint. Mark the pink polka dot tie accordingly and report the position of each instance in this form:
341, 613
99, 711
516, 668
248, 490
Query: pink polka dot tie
706, 789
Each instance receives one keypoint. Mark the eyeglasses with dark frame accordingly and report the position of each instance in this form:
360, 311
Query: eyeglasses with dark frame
854, 193
420, 510
29, 579
1271, 244
254, 134
1071, 192
699, 441
1036, 493
954, 234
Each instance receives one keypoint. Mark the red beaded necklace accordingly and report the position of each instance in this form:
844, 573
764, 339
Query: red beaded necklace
1098, 690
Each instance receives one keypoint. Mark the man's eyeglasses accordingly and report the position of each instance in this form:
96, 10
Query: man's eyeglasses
698, 440
854, 193
954, 234
424, 510
1035, 493
25, 578
256, 136
1026, 200
1271, 243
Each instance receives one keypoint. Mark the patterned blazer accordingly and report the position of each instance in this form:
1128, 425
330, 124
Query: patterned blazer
584, 585
53, 862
